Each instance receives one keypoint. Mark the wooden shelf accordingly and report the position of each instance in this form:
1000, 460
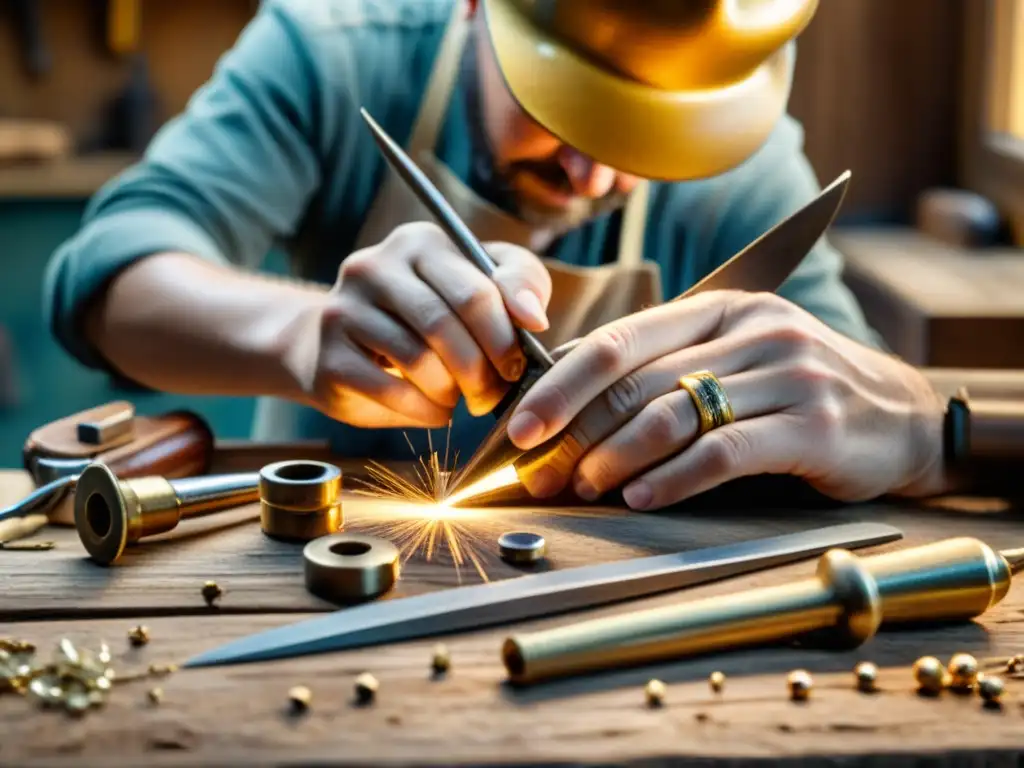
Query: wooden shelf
934, 304
75, 178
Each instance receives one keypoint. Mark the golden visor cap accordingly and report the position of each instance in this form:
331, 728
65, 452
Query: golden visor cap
662, 89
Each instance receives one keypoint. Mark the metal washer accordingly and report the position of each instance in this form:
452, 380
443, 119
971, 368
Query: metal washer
521, 547
350, 567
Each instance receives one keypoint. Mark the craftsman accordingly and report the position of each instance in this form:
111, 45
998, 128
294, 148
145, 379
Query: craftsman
675, 151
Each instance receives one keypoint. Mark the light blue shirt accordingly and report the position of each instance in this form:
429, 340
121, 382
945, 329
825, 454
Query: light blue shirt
272, 153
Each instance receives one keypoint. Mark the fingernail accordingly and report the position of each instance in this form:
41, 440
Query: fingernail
638, 495
525, 429
530, 306
585, 490
514, 368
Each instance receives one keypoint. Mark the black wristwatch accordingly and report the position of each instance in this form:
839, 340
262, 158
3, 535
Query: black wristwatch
957, 433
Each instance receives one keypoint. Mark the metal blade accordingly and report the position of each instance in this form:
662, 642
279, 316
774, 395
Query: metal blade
766, 263
531, 597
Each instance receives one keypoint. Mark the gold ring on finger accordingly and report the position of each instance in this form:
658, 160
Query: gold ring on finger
709, 399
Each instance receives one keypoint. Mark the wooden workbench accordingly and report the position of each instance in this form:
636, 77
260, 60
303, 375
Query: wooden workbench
239, 715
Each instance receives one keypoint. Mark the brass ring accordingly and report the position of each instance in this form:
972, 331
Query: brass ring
300, 500
709, 399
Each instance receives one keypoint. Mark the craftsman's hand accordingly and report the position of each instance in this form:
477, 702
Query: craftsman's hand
415, 304
853, 422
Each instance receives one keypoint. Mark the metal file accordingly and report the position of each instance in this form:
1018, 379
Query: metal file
535, 596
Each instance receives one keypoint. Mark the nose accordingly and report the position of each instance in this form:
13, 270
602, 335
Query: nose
587, 177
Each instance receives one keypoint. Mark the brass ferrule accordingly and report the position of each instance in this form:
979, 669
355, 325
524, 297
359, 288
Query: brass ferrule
300, 500
110, 513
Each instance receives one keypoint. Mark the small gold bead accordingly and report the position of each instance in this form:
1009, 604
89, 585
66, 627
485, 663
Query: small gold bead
366, 688
963, 671
800, 683
211, 592
138, 635
1014, 664
867, 676
155, 695
441, 659
990, 688
654, 692
930, 675
716, 681
300, 697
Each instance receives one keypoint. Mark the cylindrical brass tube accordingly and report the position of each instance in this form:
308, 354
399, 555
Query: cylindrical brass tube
949, 580
842, 595
112, 513
300, 500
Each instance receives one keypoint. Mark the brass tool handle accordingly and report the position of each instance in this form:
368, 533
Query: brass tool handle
112, 512
954, 579
842, 594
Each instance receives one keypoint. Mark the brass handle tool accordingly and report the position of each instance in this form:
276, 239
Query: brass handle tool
112, 513
849, 598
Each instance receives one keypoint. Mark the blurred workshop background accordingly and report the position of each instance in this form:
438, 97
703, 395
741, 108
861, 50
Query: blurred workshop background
922, 99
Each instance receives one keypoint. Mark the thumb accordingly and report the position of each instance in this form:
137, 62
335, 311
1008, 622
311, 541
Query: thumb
524, 283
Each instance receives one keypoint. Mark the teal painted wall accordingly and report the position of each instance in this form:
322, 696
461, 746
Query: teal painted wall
52, 384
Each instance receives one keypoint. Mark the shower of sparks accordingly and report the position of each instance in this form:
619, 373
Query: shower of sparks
424, 520
419, 516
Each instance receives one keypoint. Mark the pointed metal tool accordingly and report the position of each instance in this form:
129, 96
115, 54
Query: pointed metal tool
531, 597
764, 265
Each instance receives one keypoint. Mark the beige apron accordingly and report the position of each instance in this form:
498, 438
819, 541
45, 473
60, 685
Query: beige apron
583, 298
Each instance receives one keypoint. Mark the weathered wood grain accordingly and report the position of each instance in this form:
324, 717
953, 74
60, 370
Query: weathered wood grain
164, 574
237, 715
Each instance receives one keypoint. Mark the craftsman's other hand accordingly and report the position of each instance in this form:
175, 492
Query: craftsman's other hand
853, 422
414, 304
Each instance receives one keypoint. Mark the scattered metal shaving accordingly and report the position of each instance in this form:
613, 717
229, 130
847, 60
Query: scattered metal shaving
74, 679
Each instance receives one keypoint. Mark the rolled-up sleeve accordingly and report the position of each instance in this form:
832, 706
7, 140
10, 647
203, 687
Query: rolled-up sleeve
224, 181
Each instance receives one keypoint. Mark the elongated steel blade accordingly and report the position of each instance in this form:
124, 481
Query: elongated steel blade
766, 263
531, 597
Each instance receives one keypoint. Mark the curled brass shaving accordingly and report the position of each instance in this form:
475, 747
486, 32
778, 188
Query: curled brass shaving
990, 688
212, 593
654, 692
74, 679
441, 660
366, 688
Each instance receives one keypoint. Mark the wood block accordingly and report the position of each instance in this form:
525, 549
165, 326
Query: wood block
934, 304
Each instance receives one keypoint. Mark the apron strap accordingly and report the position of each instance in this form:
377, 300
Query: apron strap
442, 81
634, 222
